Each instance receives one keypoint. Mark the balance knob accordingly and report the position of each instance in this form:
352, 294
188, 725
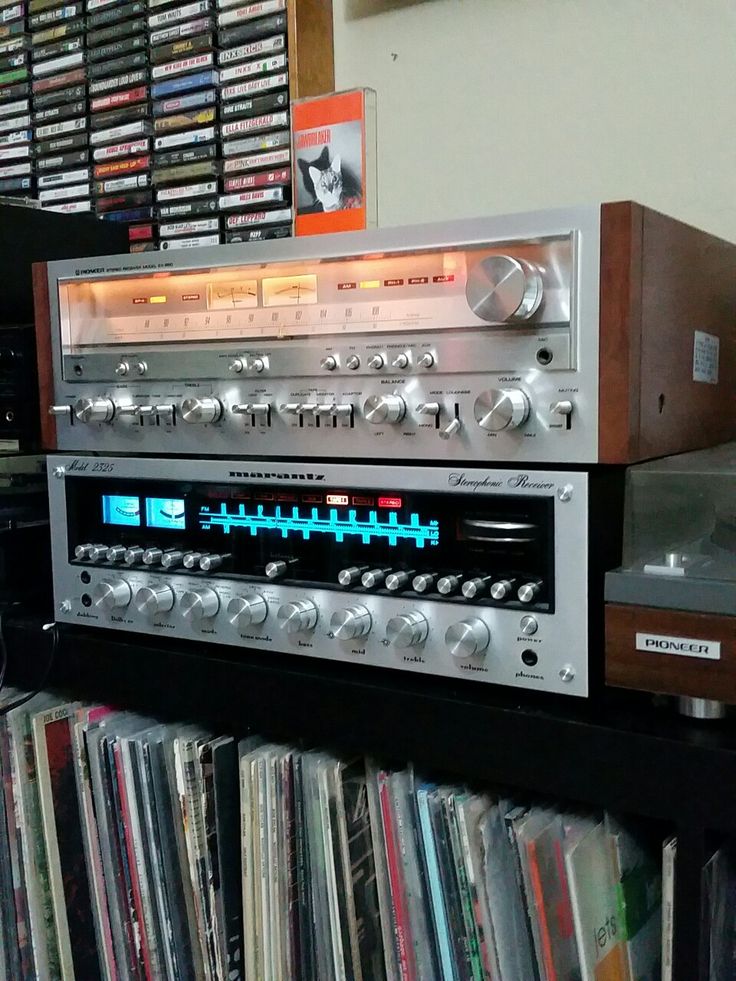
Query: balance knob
298, 617
151, 600
466, 638
202, 410
111, 594
351, 623
199, 604
501, 289
381, 409
94, 410
243, 611
407, 630
501, 408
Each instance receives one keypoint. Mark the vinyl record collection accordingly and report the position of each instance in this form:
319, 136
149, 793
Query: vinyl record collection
172, 118
135, 849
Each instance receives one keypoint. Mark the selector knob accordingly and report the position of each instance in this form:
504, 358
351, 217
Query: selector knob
502, 589
424, 583
407, 630
244, 611
201, 410
467, 638
298, 617
94, 410
398, 580
199, 604
351, 576
111, 594
501, 408
351, 623
152, 556
448, 585
151, 600
172, 559
116, 553
133, 555
501, 289
382, 409
528, 592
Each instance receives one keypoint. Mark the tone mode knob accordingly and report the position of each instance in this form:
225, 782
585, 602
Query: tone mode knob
111, 594
501, 289
351, 623
298, 617
245, 611
467, 638
407, 630
501, 408
201, 410
199, 604
94, 410
382, 409
151, 600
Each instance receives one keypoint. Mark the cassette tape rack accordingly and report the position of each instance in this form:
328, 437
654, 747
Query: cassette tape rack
169, 117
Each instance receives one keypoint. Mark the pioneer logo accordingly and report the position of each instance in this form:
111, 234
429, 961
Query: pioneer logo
681, 646
274, 475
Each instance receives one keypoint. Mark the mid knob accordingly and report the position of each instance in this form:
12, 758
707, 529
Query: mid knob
111, 594
382, 409
244, 611
201, 410
94, 410
199, 604
298, 617
151, 600
407, 630
351, 623
501, 289
501, 408
467, 638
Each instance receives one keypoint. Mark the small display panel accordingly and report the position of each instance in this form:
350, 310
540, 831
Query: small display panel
165, 513
119, 509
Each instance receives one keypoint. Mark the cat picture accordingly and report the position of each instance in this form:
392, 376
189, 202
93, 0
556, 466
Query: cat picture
330, 182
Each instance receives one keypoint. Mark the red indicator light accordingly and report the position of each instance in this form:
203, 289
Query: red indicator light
443, 279
341, 499
393, 282
347, 286
190, 296
389, 502
418, 280
140, 299
365, 502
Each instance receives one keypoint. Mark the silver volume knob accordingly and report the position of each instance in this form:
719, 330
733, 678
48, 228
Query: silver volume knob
448, 585
152, 556
528, 592
373, 578
199, 604
382, 409
116, 553
133, 555
111, 594
467, 638
501, 408
245, 611
298, 617
94, 410
97, 553
151, 600
424, 583
502, 589
191, 560
501, 289
351, 576
209, 563
172, 559
201, 410
399, 580
351, 623
407, 630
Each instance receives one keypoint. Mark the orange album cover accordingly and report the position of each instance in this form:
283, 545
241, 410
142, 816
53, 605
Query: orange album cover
334, 149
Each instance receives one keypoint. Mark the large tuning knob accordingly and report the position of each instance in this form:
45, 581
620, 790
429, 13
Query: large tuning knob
298, 617
382, 409
501, 289
243, 611
501, 408
199, 604
110, 594
466, 638
94, 410
407, 629
201, 410
351, 623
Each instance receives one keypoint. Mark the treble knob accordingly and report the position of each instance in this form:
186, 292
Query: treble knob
298, 617
199, 604
94, 410
351, 623
382, 409
501, 289
244, 611
467, 638
501, 408
111, 594
407, 630
201, 410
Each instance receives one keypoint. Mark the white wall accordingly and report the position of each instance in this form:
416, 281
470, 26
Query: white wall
487, 106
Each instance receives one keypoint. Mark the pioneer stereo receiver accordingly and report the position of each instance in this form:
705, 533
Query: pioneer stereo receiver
463, 573
584, 335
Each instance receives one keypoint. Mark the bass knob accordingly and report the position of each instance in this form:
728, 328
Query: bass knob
298, 617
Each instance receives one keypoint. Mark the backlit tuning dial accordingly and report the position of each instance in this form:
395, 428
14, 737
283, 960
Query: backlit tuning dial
501, 408
382, 409
351, 623
199, 604
448, 585
201, 410
467, 638
111, 594
247, 611
351, 576
501, 289
94, 410
152, 600
396, 581
407, 630
298, 617
133, 555
374, 578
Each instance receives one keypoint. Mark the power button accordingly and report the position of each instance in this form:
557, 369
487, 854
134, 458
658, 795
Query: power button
528, 626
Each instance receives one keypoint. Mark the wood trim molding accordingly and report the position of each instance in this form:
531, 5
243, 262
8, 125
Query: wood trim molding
311, 48
44, 357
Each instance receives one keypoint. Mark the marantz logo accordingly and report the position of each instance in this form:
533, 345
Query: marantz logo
517, 482
274, 475
683, 646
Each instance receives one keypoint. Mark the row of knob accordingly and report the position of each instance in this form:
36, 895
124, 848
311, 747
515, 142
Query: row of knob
170, 558
464, 639
474, 587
